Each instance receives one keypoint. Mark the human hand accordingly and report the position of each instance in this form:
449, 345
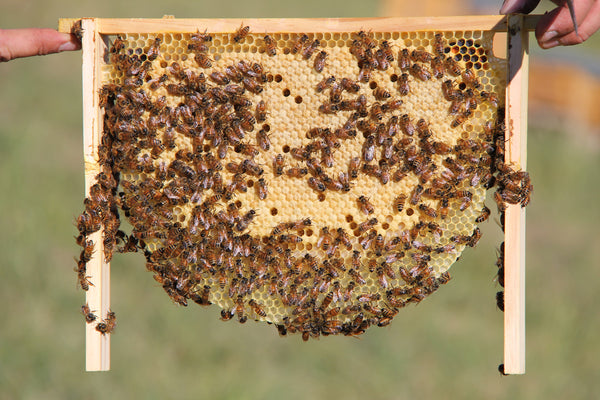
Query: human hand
556, 27
15, 43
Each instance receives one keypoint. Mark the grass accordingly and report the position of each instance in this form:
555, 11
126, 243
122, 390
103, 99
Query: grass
447, 347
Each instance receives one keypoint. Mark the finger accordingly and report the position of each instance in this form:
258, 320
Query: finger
15, 43
556, 27
518, 6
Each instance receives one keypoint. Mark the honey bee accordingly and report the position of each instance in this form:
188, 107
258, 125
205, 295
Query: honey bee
469, 78
364, 75
404, 59
500, 301
420, 56
376, 111
278, 165
353, 167
261, 189
399, 202
460, 119
421, 72
316, 184
328, 108
368, 150
415, 196
490, 97
403, 87
252, 85
310, 49
437, 67
262, 138
350, 86
300, 42
241, 33
319, 62
257, 308
364, 205
203, 60
438, 44
245, 220
270, 45
88, 314
153, 51
325, 83
381, 94
296, 172
406, 126
430, 212
365, 297
452, 66
365, 226
108, 324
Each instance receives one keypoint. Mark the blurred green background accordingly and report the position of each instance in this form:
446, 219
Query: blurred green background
447, 347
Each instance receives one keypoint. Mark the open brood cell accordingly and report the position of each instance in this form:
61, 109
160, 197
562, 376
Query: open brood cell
320, 188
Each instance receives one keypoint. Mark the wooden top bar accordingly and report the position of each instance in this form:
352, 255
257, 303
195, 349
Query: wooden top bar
109, 26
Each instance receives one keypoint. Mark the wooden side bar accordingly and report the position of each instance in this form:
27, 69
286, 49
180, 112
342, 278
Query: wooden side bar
514, 223
109, 26
97, 346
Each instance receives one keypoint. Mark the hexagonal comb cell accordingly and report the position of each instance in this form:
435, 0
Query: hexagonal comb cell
317, 181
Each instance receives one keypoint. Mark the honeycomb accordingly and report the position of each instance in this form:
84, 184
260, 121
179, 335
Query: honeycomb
316, 181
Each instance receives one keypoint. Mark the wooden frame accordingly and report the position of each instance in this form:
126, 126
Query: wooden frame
518, 27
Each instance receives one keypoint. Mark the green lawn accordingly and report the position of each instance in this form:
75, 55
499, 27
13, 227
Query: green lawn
447, 347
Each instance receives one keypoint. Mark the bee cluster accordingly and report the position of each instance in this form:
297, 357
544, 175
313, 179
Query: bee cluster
317, 181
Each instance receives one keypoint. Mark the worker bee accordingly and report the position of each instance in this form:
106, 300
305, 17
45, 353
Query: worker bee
203, 60
452, 66
437, 67
296, 172
108, 324
270, 45
490, 97
460, 119
88, 314
316, 184
406, 126
420, 56
364, 205
368, 149
245, 220
325, 83
261, 189
469, 78
430, 212
381, 94
500, 301
421, 72
376, 111
300, 42
399, 202
328, 108
241, 33
415, 196
310, 49
319, 62
350, 86
252, 85
364, 74
262, 139
278, 165
403, 87
404, 59
438, 44
485, 214
365, 226
153, 52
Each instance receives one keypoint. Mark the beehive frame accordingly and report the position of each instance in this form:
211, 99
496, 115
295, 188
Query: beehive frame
95, 44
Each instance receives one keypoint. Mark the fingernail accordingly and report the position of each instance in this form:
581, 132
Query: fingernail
549, 45
508, 7
548, 36
68, 46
